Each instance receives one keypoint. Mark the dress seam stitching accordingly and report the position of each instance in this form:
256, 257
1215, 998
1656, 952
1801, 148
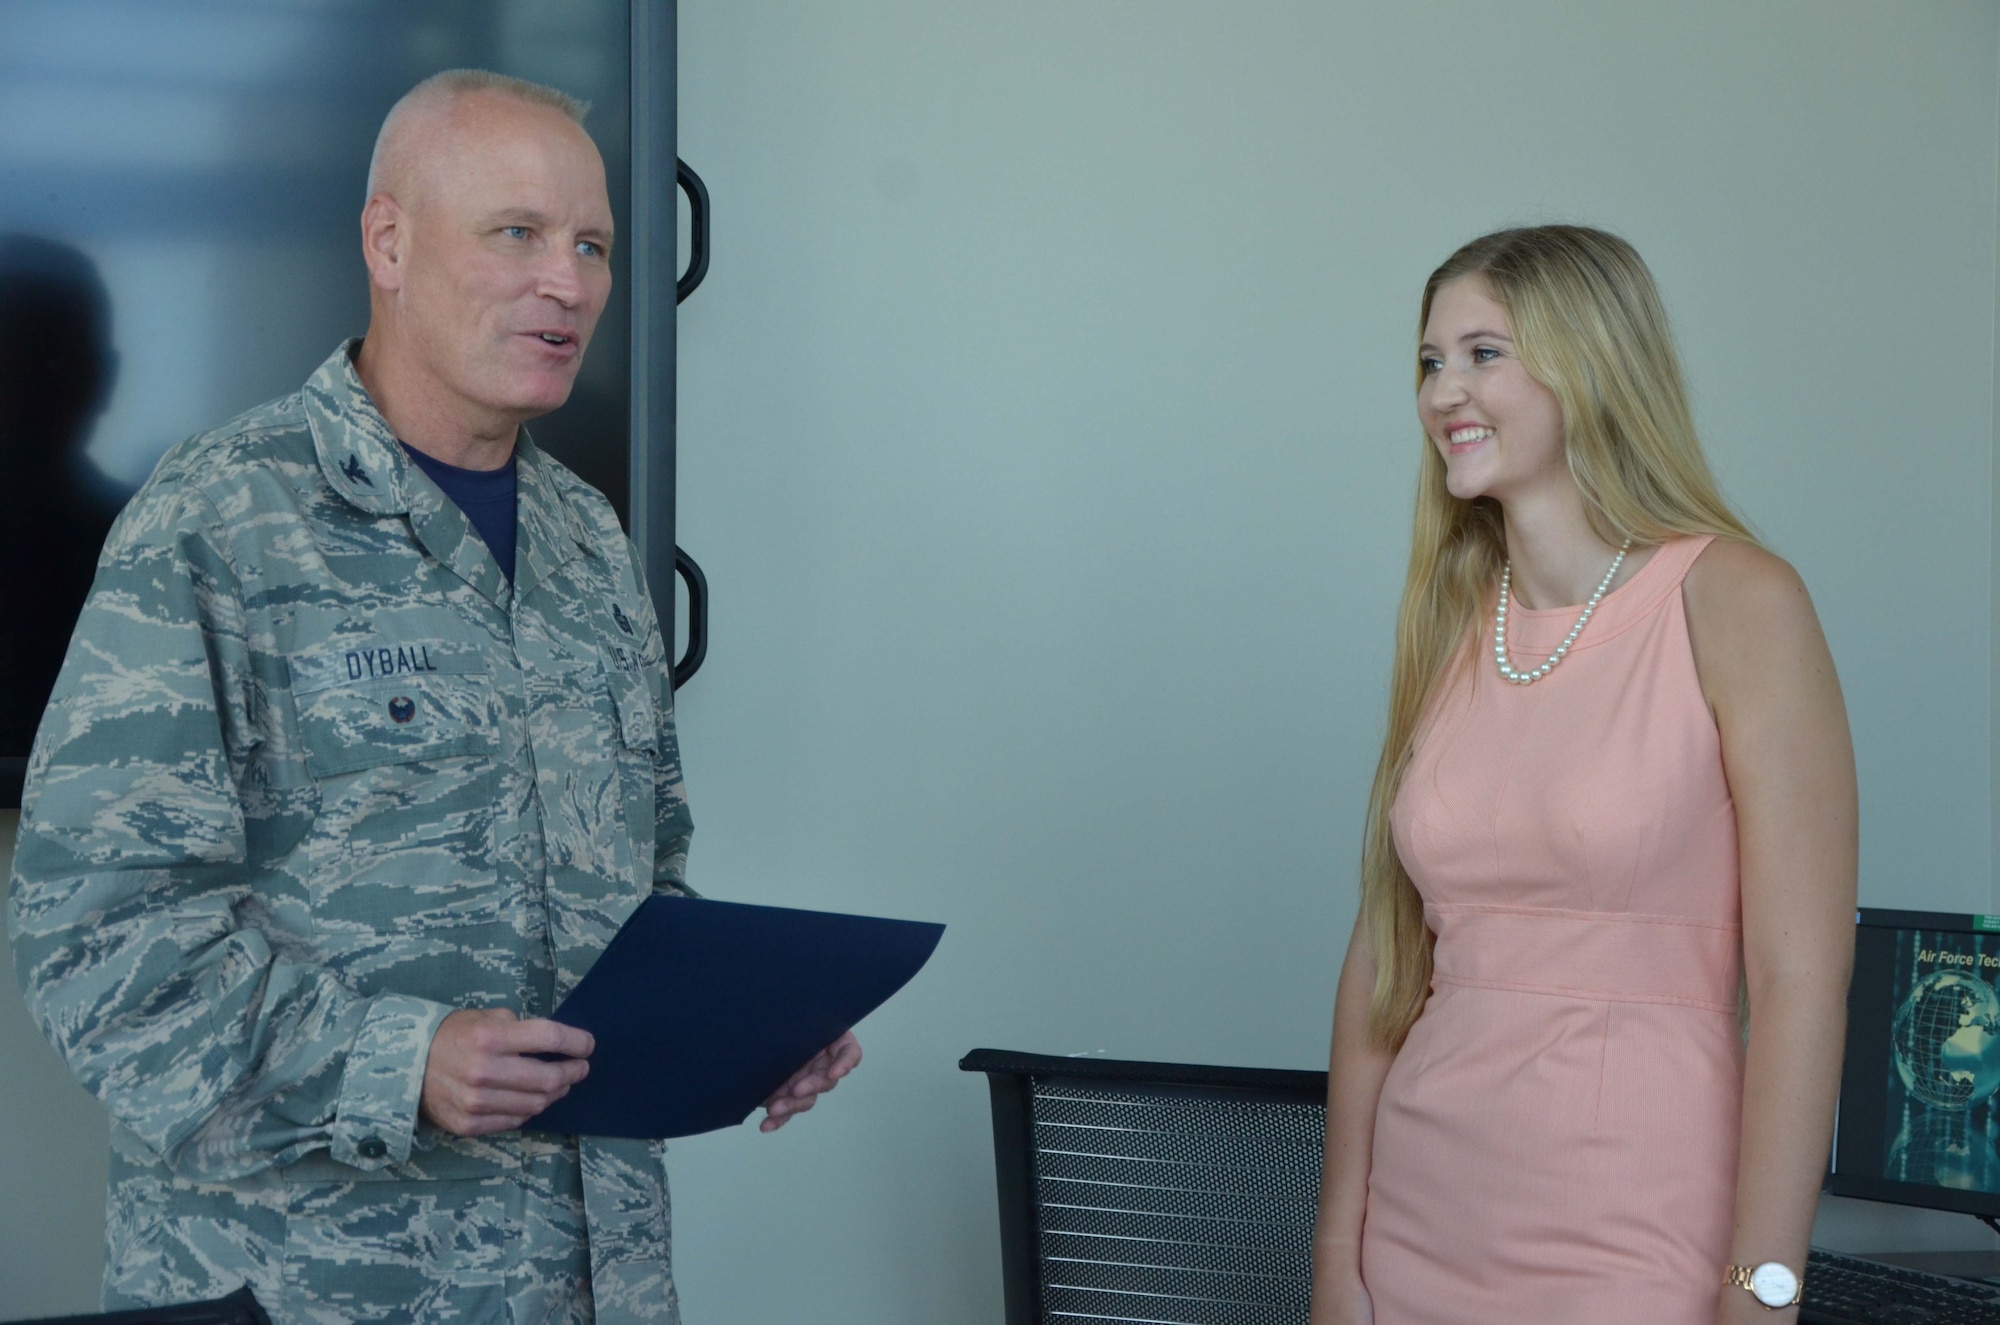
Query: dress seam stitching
1637, 617
1587, 995
1561, 913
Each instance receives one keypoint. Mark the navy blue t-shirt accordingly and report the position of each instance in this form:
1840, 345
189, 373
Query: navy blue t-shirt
485, 495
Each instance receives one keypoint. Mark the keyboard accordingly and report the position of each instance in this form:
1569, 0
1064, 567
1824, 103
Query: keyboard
1846, 1290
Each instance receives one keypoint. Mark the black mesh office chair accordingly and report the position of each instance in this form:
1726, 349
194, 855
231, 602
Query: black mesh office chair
239, 1308
1155, 1192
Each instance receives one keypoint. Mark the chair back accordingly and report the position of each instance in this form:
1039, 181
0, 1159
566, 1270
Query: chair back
1156, 1192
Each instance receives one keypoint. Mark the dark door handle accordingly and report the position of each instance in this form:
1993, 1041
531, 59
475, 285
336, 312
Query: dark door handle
697, 193
697, 645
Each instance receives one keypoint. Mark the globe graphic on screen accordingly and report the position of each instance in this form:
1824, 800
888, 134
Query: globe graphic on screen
1942, 1149
1947, 1040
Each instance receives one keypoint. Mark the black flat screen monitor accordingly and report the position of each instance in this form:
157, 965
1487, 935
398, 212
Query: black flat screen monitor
1919, 1120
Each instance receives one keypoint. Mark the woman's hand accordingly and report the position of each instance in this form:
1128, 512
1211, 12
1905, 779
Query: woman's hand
1739, 1308
1356, 1068
1343, 1301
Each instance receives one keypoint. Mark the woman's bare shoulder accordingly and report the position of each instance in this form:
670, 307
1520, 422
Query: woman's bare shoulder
1737, 581
1749, 615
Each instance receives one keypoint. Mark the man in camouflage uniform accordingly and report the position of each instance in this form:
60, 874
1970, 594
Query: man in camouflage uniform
327, 814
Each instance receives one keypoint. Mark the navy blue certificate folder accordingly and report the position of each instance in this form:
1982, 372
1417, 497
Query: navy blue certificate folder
701, 1009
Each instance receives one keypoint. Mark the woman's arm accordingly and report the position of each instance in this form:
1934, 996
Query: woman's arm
1355, 1071
1770, 682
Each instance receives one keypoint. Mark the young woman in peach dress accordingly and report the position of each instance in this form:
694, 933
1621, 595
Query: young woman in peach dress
1616, 796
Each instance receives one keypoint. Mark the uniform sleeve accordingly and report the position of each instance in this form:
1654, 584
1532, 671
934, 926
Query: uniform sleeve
131, 911
672, 825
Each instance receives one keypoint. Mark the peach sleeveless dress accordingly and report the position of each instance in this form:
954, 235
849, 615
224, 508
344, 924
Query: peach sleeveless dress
1556, 1140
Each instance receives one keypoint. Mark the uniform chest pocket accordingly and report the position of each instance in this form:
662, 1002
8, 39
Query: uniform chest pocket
638, 751
638, 720
403, 848
397, 720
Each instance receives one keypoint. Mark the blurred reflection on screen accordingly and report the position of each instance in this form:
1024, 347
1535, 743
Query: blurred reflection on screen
188, 175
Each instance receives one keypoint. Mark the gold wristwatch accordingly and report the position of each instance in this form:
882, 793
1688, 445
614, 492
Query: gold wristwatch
1773, 1285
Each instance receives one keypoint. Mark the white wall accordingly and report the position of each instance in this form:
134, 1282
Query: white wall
1993, 619
1046, 437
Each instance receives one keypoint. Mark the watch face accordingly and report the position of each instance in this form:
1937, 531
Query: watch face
1773, 1284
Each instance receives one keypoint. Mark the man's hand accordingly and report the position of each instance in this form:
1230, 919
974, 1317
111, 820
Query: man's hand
817, 1077
479, 1080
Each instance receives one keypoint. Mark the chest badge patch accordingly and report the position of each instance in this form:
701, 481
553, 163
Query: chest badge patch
618, 615
402, 708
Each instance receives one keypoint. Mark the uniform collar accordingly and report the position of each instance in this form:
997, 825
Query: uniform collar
550, 531
362, 461
357, 452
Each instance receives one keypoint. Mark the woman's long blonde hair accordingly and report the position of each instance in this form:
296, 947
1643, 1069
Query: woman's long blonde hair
1589, 325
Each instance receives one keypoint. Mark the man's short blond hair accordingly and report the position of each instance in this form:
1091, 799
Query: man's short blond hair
441, 91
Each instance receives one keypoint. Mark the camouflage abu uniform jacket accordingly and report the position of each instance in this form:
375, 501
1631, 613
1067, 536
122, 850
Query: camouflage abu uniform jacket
314, 776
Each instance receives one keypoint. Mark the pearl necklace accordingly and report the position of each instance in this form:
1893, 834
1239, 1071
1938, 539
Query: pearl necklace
1507, 672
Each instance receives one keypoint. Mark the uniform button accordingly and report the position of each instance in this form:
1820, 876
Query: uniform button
372, 1148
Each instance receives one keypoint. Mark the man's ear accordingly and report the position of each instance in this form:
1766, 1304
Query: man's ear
383, 236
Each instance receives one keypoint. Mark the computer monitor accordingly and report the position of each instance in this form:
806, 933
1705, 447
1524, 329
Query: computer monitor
1919, 1120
